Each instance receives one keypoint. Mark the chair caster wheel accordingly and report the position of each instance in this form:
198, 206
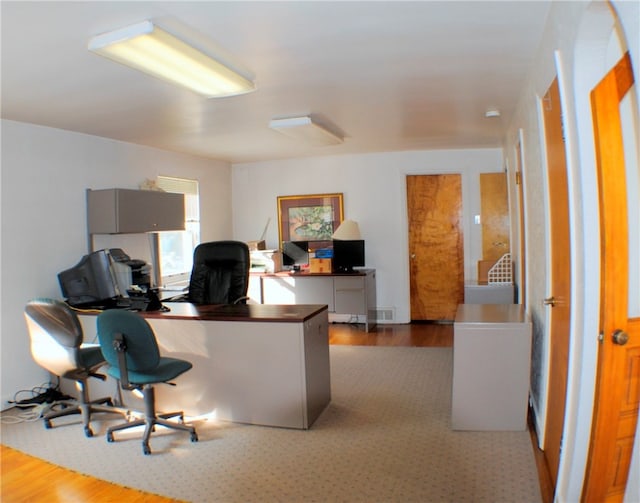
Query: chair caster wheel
146, 450
194, 437
109, 437
47, 424
87, 432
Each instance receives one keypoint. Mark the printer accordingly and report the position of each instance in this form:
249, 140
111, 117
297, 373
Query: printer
130, 271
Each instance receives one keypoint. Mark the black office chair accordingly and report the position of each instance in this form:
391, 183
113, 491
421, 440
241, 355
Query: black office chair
220, 273
131, 350
57, 346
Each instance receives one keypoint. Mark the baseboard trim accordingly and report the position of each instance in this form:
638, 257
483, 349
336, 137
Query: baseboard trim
547, 489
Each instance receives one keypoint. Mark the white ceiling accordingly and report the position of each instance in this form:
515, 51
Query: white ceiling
389, 75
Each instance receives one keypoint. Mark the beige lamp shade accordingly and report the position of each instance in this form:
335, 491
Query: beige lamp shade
348, 230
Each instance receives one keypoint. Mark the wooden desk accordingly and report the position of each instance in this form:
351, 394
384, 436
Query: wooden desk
257, 364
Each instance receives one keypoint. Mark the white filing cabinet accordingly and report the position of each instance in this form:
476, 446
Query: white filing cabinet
491, 367
347, 294
298, 289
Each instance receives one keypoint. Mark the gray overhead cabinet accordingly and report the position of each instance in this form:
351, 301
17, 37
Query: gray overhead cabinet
129, 211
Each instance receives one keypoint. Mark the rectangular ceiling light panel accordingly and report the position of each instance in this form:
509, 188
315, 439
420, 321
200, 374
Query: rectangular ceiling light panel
304, 129
152, 50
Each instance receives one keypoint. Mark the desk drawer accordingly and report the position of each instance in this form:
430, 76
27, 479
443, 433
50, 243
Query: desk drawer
349, 295
298, 290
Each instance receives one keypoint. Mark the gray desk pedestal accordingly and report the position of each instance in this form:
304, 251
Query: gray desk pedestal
491, 365
495, 293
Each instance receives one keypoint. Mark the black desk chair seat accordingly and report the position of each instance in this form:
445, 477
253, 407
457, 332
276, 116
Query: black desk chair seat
131, 350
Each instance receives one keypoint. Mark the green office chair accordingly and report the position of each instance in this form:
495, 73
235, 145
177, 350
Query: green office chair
130, 348
56, 342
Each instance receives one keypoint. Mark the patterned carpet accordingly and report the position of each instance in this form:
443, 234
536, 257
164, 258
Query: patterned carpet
385, 437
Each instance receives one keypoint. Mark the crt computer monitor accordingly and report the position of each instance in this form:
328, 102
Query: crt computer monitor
295, 254
347, 254
91, 282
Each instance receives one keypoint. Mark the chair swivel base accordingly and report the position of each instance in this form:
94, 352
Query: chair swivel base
150, 424
152, 419
85, 410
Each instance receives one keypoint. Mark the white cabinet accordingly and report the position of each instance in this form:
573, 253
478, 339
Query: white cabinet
491, 366
299, 289
350, 295
344, 294
128, 211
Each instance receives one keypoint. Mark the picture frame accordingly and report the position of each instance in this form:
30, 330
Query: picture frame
311, 217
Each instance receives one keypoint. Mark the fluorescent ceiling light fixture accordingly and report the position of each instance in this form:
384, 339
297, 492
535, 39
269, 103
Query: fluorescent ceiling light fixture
150, 49
305, 129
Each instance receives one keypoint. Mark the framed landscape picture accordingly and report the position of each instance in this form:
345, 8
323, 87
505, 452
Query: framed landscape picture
312, 217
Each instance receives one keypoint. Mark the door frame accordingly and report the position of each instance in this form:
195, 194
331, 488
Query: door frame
579, 373
588, 67
559, 317
576, 261
471, 247
614, 293
520, 207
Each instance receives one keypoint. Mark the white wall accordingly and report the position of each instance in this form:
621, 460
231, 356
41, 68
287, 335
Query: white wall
374, 191
44, 176
578, 47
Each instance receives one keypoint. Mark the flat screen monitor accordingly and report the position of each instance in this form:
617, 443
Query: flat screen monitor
347, 254
91, 282
295, 254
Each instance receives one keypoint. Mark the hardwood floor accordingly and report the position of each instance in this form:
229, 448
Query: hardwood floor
26, 478
29, 479
414, 334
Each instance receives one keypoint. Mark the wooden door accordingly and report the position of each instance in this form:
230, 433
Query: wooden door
494, 215
618, 375
434, 205
559, 299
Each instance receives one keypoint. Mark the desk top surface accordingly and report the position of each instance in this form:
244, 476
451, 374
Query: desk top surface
307, 274
490, 313
238, 312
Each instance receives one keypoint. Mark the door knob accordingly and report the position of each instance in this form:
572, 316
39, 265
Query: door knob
620, 337
413, 255
549, 301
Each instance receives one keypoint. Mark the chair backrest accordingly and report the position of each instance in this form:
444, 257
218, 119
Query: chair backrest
142, 354
55, 335
220, 273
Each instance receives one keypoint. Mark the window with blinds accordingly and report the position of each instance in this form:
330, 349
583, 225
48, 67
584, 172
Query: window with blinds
174, 249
